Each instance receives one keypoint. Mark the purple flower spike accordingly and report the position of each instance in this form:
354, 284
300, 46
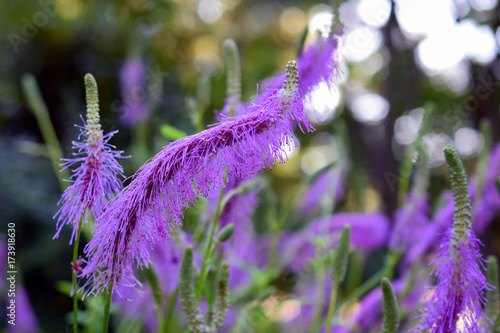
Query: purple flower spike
410, 221
183, 171
134, 108
96, 178
456, 303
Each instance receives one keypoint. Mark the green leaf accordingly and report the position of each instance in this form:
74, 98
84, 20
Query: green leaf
172, 133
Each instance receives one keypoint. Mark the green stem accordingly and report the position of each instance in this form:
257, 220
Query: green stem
320, 282
75, 259
107, 306
208, 245
415, 146
392, 259
140, 139
289, 204
159, 311
170, 311
156, 289
37, 106
331, 308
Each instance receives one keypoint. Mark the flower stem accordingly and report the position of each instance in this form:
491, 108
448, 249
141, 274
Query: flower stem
331, 307
391, 260
74, 264
159, 311
208, 245
107, 306
156, 289
170, 311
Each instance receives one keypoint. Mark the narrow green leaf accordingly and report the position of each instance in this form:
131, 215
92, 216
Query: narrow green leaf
171, 133
155, 284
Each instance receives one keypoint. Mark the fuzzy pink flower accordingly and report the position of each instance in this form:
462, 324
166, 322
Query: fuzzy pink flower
96, 179
185, 170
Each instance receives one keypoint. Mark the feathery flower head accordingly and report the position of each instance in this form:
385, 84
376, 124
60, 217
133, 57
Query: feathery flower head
318, 64
455, 305
182, 172
97, 175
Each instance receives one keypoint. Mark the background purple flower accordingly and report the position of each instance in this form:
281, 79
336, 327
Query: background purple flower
489, 202
134, 108
410, 223
368, 232
166, 260
328, 185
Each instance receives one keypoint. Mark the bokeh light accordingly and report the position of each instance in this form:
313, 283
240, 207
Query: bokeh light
210, 11
468, 141
361, 42
369, 108
321, 103
374, 12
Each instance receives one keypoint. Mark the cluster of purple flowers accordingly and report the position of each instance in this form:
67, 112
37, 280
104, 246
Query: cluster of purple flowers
135, 229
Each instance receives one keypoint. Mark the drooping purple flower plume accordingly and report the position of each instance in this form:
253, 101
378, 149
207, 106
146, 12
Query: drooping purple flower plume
456, 303
97, 176
183, 171
135, 107
318, 63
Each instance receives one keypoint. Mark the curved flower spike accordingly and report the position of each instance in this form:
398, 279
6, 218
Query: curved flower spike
187, 169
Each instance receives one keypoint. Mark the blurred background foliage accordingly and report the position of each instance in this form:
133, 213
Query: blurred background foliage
398, 55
